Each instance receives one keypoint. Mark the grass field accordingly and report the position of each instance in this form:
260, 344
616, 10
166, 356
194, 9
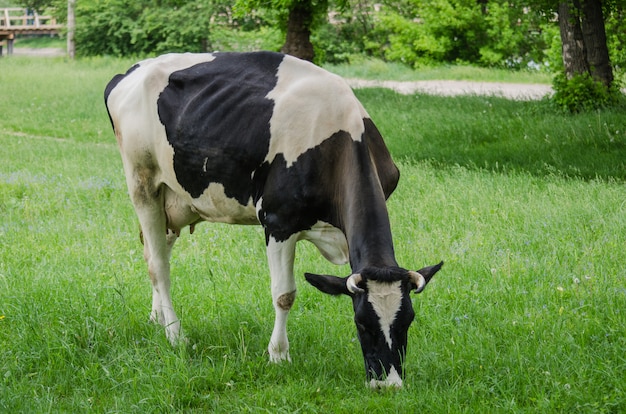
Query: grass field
526, 207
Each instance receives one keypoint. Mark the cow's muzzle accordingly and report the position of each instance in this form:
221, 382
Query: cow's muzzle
392, 379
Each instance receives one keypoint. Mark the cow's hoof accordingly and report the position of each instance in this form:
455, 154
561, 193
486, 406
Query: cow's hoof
278, 357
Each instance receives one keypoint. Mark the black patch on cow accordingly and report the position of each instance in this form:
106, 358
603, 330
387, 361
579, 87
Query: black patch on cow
387, 274
334, 182
216, 116
296, 198
387, 171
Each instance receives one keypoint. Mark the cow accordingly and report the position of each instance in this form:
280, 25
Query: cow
265, 138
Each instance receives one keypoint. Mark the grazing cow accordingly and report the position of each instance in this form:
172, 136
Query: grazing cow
262, 137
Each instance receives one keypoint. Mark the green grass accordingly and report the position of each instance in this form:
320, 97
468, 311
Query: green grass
527, 315
500, 135
378, 69
39, 42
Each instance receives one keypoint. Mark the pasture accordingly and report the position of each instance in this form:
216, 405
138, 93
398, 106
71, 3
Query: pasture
526, 207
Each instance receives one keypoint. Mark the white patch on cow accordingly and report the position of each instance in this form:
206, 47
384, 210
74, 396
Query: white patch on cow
138, 128
393, 380
136, 116
310, 105
214, 205
386, 299
145, 83
259, 206
329, 240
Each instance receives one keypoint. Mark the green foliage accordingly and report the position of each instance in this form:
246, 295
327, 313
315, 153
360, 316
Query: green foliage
280, 8
513, 37
109, 27
185, 28
337, 43
426, 32
39, 5
224, 38
119, 28
456, 24
553, 58
616, 39
583, 93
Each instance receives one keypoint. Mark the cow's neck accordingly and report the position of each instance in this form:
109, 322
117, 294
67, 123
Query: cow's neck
366, 221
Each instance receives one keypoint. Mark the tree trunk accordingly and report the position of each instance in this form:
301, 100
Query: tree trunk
573, 47
298, 40
583, 37
483, 6
594, 34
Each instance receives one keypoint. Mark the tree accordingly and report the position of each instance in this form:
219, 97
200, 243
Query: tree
297, 18
584, 43
298, 36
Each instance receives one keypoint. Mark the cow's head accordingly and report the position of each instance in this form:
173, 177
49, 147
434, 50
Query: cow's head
383, 312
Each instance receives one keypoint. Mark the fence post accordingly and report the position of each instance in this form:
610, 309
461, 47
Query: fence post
10, 44
71, 24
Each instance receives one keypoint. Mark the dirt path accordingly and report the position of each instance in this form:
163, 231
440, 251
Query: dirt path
518, 91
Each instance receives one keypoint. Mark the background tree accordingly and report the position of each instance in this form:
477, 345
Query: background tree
585, 79
297, 18
496, 33
583, 36
298, 33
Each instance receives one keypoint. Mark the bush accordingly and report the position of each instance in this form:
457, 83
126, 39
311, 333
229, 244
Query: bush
421, 33
583, 93
143, 27
335, 43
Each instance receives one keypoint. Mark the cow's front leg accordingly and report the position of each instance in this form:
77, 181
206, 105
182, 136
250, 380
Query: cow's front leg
280, 255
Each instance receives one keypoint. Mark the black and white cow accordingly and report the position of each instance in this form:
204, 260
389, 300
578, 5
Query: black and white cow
251, 138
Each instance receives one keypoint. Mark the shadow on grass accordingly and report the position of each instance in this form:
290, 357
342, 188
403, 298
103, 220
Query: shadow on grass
500, 135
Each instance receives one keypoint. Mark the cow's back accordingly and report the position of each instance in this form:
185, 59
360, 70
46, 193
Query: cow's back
226, 120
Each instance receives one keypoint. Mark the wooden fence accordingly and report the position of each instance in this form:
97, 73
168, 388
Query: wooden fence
17, 21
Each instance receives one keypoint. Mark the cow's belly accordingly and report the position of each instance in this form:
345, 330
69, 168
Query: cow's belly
213, 205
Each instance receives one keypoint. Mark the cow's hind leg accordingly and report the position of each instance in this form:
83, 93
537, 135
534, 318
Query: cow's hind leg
158, 242
159, 270
280, 256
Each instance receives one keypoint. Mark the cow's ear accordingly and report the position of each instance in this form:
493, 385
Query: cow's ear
429, 271
332, 285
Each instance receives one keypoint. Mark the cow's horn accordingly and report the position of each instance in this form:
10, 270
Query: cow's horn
352, 283
418, 280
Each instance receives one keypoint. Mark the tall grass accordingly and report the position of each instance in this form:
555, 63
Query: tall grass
500, 135
364, 68
38, 42
527, 315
